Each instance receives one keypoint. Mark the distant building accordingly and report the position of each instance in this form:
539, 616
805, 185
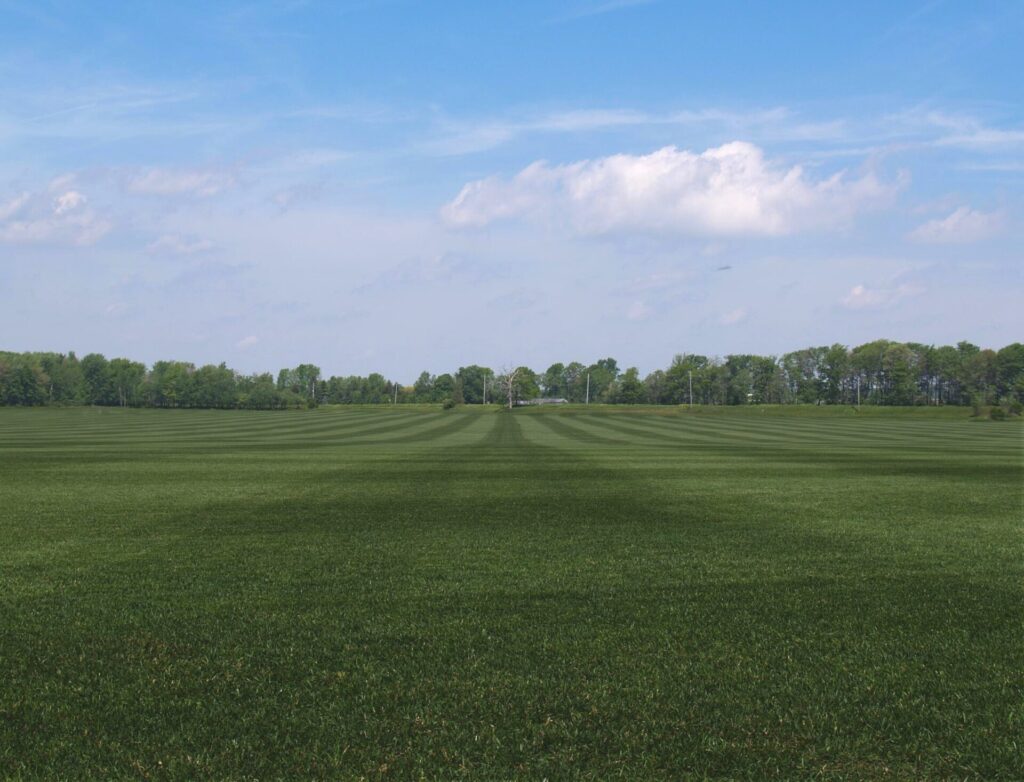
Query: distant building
544, 400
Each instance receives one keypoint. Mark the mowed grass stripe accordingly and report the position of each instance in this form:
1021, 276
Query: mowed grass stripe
561, 433
909, 432
514, 595
868, 433
190, 424
938, 460
175, 425
445, 432
290, 430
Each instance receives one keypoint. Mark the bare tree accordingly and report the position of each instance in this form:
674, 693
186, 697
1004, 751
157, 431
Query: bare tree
507, 382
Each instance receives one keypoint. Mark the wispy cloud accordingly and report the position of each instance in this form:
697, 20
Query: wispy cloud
174, 244
999, 166
962, 226
434, 270
964, 130
732, 317
638, 310
180, 182
585, 10
59, 216
13, 205
467, 136
864, 297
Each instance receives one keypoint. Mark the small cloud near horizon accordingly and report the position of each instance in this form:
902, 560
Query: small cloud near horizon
962, 226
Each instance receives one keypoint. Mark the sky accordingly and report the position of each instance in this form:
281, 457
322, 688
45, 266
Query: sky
396, 186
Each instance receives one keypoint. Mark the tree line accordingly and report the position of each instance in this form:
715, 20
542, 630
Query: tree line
877, 373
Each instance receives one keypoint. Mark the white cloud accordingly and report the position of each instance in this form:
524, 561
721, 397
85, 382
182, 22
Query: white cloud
638, 310
961, 226
68, 202
863, 297
733, 316
171, 182
174, 244
35, 219
13, 206
726, 190
247, 342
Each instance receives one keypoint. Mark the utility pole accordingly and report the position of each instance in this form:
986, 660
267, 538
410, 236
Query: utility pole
485, 390
396, 393
588, 388
858, 390
689, 373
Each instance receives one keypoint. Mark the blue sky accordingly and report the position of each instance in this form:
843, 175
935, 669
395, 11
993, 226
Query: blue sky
397, 186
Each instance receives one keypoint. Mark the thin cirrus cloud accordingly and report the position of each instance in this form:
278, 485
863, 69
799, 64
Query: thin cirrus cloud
732, 317
175, 244
638, 310
180, 182
863, 297
962, 226
730, 190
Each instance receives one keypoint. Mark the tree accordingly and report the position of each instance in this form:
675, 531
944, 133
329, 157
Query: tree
214, 386
22, 384
303, 381
575, 378
423, 388
554, 381
65, 377
1009, 370
801, 367
630, 390
602, 374
899, 365
685, 372
657, 387
834, 369
471, 382
739, 379
175, 384
126, 378
768, 381
879, 372
517, 384
444, 387
97, 386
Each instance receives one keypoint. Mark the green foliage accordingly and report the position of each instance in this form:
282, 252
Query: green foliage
630, 389
448, 404
614, 593
470, 382
877, 373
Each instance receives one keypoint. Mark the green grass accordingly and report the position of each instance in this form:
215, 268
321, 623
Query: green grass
644, 594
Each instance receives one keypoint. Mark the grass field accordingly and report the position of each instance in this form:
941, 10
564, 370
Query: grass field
381, 593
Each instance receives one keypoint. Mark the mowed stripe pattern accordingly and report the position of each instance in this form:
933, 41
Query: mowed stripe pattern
31, 428
357, 593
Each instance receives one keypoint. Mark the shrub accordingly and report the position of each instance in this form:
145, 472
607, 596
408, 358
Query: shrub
448, 404
997, 414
